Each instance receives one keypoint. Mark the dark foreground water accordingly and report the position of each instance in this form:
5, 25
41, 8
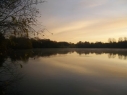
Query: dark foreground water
64, 72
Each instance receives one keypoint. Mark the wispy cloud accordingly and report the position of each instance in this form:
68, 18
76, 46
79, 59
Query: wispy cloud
92, 3
91, 29
91, 20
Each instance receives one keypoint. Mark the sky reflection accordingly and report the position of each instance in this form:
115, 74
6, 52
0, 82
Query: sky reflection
98, 65
74, 74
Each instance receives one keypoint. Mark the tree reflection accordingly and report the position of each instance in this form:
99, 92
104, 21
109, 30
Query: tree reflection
122, 57
24, 55
9, 78
111, 55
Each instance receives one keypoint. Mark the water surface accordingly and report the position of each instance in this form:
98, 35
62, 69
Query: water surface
66, 72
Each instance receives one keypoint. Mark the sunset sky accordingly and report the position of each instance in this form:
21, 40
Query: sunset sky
84, 20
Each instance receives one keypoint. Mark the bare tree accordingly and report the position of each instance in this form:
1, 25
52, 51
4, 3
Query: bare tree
111, 40
18, 16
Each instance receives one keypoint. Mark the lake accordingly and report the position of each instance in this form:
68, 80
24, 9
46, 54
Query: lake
64, 72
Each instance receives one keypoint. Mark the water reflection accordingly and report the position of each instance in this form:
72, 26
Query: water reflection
76, 72
9, 78
24, 55
64, 72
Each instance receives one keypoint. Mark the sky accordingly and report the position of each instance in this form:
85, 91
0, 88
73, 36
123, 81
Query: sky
83, 20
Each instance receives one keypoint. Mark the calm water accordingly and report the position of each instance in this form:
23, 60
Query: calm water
64, 72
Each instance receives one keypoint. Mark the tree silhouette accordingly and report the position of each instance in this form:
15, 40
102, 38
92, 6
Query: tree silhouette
18, 16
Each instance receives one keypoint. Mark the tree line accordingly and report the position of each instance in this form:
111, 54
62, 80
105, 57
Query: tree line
112, 43
28, 43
